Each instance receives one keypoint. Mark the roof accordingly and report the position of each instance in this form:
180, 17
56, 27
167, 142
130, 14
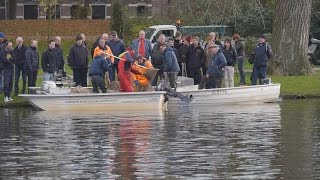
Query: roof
162, 26
173, 26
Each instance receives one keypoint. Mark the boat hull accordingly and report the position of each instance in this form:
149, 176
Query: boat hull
98, 102
236, 95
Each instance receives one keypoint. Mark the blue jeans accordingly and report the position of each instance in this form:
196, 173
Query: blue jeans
48, 76
241, 72
7, 81
258, 72
1, 80
20, 68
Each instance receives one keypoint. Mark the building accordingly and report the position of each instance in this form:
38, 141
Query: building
67, 9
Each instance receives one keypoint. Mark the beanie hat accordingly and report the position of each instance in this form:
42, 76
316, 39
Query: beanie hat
236, 36
1, 35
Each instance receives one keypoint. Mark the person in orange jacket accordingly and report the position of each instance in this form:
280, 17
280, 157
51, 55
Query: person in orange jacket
141, 82
125, 69
103, 48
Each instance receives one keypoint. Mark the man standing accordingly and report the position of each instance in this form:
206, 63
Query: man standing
7, 58
59, 53
215, 71
262, 53
170, 65
32, 63
157, 58
195, 61
142, 45
104, 36
100, 64
3, 44
117, 48
49, 62
231, 56
78, 59
20, 66
240, 48
182, 59
125, 68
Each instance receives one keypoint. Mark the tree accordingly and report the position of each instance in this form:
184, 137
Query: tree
49, 8
290, 38
117, 22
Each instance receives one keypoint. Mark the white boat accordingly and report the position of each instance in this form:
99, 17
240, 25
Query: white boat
104, 102
235, 95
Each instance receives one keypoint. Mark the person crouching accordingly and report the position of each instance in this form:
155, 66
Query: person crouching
100, 64
7, 59
140, 80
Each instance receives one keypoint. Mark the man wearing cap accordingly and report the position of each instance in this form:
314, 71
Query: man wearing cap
240, 48
78, 60
3, 44
117, 47
99, 66
262, 53
216, 69
170, 65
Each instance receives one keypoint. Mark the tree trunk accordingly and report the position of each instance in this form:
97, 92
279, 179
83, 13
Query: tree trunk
290, 38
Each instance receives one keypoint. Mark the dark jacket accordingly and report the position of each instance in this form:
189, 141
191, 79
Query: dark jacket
175, 51
240, 47
99, 66
3, 44
177, 43
157, 58
5, 61
78, 57
183, 53
32, 59
231, 55
117, 48
170, 61
218, 64
60, 60
195, 57
20, 54
49, 61
262, 53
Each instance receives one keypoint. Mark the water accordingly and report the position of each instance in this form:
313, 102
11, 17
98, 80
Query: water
269, 141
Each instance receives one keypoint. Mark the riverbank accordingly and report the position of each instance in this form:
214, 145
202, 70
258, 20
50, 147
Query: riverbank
292, 87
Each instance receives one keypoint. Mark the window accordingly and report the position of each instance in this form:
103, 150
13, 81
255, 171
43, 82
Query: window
2, 3
56, 14
141, 10
2, 13
98, 12
30, 11
74, 9
167, 33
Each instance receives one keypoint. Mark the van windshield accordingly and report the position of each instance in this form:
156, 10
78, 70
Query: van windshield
149, 32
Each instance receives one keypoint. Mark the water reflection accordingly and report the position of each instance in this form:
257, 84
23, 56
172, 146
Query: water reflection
268, 141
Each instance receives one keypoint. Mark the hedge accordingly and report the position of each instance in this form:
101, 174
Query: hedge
65, 28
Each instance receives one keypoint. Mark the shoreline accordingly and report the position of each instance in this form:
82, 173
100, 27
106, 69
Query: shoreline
21, 103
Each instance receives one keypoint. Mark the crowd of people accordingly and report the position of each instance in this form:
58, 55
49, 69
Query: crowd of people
211, 66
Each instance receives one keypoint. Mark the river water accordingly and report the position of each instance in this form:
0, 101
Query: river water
267, 141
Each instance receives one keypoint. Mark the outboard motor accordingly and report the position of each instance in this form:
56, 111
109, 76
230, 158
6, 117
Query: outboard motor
165, 86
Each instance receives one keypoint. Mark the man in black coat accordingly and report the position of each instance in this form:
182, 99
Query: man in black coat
49, 62
195, 61
7, 59
78, 60
32, 63
20, 66
59, 53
